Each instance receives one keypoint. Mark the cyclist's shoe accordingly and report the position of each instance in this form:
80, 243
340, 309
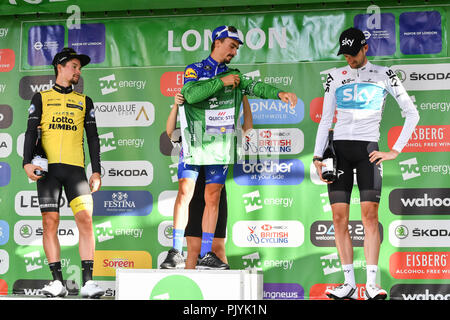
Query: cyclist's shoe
211, 261
374, 293
343, 292
91, 289
55, 289
174, 260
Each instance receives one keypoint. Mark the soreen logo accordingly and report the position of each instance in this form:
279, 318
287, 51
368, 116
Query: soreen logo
106, 262
420, 201
268, 172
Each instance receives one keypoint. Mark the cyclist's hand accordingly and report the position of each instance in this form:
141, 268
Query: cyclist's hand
231, 80
29, 170
95, 182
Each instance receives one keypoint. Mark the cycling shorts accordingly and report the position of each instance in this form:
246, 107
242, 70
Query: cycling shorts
352, 155
196, 207
76, 188
213, 173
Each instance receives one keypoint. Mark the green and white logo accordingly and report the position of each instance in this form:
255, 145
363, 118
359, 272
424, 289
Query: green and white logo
176, 287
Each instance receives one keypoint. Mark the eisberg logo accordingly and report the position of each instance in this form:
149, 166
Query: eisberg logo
269, 172
420, 201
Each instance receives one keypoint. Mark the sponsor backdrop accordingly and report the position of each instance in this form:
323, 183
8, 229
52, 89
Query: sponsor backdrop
279, 215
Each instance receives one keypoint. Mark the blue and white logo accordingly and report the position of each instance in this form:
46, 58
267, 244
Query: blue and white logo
122, 203
360, 96
4, 232
269, 111
269, 172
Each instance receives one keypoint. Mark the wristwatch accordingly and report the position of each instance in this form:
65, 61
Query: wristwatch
317, 159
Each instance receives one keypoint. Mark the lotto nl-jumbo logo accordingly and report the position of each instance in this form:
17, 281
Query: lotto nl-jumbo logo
410, 169
252, 201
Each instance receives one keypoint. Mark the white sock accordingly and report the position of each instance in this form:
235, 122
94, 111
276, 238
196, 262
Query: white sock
371, 270
349, 274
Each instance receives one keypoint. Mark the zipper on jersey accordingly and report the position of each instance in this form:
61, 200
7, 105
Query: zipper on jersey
62, 131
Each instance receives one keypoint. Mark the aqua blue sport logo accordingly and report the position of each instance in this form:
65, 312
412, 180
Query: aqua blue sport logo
270, 111
122, 203
269, 172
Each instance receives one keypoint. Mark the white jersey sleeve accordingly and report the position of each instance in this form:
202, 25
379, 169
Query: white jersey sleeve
326, 121
409, 110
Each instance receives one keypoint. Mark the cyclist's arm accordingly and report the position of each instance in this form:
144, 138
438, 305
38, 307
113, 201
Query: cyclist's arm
409, 110
34, 120
257, 88
197, 91
326, 121
93, 140
248, 118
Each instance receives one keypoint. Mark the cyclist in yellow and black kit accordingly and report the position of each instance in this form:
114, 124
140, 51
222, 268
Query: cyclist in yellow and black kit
63, 116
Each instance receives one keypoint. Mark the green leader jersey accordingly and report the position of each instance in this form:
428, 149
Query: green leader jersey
209, 117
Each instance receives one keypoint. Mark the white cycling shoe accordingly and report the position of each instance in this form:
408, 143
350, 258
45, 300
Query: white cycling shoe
55, 289
343, 292
374, 293
91, 289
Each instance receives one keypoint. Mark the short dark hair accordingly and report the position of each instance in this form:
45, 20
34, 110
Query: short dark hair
231, 29
56, 67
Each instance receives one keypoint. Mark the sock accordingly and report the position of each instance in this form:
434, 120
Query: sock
55, 268
207, 240
178, 238
87, 266
371, 270
349, 274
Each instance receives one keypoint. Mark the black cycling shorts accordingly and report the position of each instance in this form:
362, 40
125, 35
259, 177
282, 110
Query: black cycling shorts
197, 205
355, 155
76, 188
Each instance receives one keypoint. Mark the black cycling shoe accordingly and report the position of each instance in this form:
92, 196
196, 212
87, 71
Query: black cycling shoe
174, 260
211, 262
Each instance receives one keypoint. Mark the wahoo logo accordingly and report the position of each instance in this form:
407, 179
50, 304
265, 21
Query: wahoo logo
33, 261
347, 42
419, 201
252, 261
104, 231
108, 84
410, 169
252, 201
360, 96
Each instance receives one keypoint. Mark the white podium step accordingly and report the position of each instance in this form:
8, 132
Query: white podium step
159, 284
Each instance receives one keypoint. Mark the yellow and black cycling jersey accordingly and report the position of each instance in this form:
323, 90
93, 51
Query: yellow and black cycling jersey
63, 115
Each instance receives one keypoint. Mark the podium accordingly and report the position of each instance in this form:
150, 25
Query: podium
181, 284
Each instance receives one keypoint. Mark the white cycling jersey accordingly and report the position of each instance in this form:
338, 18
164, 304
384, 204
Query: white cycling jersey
359, 96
